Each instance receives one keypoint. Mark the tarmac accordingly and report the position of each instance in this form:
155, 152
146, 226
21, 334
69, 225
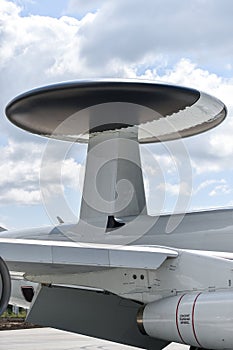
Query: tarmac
53, 339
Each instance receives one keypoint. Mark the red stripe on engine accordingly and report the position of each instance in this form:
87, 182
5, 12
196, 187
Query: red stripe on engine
193, 326
177, 321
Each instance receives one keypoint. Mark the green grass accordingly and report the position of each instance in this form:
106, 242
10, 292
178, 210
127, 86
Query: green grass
9, 314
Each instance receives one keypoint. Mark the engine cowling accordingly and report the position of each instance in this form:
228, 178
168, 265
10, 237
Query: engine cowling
203, 320
5, 286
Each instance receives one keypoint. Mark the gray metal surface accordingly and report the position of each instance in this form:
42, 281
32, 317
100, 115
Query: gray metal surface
73, 110
52, 339
86, 111
96, 314
45, 256
207, 230
117, 188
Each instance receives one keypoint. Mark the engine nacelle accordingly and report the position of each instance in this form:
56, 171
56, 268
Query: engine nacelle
203, 320
5, 286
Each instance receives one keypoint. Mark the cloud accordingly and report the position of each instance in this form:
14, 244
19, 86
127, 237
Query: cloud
223, 142
127, 32
117, 39
81, 8
120, 39
213, 152
205, 184
220, 190
20, 196
35, 49
181, 188
20, 173
220, 187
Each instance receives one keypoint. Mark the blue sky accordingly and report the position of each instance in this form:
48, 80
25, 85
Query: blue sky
42, 7
174, 41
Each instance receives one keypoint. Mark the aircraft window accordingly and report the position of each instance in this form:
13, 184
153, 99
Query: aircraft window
142, 277
134, 277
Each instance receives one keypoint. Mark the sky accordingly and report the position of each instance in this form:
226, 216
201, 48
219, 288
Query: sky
173, 41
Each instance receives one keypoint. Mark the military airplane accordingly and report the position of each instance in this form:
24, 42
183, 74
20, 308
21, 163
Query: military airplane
118, 273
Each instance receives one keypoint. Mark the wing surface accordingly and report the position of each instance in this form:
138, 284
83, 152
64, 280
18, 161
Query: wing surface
33, 256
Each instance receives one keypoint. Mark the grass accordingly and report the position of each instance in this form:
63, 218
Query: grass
10, 314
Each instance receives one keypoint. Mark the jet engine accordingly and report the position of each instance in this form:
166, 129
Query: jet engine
202, 320
5, 286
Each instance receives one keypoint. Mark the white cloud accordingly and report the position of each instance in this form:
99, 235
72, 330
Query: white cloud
73, 174
9, 8
212, 152
220, 190
158, 167
20, 196
36, 50
205, 184
81, 7
18, 166
119, 40
20, 173
204, 165
222, 143
177, 189
128, 32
